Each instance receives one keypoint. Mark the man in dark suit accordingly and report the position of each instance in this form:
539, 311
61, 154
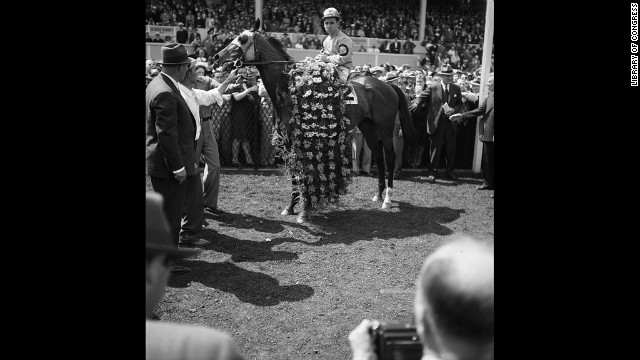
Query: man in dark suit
170, 139
433, 100
394, 47
485, 130
166, 340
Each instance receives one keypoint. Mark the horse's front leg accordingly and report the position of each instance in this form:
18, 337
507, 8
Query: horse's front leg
306, 208
295, 197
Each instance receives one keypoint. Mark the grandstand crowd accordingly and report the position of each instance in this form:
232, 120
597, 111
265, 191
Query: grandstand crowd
453, 31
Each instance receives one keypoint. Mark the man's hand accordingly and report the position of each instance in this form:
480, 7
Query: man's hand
233, 76
181, 176
253, 88
361, 341
455, 117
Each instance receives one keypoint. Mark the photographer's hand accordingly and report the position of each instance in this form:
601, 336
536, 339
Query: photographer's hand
362, 342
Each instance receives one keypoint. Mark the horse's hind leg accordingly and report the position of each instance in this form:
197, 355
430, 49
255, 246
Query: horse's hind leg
389, 157
366, 127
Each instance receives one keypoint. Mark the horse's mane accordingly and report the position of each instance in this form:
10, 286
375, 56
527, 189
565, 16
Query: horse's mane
276, 48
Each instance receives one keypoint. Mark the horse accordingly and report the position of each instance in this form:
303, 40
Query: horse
374, 115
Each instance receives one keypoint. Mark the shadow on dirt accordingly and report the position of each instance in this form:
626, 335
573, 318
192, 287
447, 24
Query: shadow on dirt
248, 286
245, 250
246, 221
344, 227
365, 224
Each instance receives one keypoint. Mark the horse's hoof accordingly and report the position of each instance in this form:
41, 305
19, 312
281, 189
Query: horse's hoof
287, 211
386, 204
376, 198
302, 218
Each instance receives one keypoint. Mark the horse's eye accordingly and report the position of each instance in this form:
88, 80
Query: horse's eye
243, 39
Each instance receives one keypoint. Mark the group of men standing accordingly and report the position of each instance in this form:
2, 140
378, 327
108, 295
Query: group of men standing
176, 137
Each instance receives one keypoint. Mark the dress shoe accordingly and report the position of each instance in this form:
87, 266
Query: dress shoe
176, 269
450, 176
485, 187
213, 210
431, 178
192, 241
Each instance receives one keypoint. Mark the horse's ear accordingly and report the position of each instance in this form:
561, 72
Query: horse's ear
256, 25
243, 39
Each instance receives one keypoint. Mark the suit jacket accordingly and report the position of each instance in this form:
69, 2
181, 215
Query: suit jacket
486, 111
395, 47
188, 342
170, 130
432, 100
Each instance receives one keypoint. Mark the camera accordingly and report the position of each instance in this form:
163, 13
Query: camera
396, 341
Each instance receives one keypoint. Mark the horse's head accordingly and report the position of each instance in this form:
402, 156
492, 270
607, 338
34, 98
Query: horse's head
240, 50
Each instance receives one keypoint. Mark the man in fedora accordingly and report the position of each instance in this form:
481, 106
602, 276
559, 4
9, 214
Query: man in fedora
337, 48
165, 340
441, 100
170, 139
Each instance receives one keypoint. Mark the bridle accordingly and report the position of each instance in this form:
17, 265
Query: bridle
239, 63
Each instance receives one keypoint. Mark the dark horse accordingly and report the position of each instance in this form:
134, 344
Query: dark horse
375, 113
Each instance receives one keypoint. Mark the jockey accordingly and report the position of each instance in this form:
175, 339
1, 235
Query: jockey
337, 47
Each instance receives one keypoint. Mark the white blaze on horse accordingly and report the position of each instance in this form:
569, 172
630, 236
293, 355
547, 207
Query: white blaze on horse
374, 114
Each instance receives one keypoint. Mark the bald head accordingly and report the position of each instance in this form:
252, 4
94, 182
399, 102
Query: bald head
455, 298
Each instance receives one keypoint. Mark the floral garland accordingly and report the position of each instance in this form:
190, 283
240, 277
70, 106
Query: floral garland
314, 150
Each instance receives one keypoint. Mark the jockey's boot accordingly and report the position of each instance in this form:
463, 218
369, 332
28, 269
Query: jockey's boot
348, 88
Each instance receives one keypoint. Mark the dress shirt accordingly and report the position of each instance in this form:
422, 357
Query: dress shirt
189, 97
196, 98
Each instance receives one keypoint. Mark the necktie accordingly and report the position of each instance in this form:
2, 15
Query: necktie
446, 93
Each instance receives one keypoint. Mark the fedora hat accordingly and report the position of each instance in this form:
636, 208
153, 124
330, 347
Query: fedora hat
446, 69
329, 13
391, 75
159, 231
174, 54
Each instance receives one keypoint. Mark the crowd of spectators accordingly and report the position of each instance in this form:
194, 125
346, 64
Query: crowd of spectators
453, 33
453, 22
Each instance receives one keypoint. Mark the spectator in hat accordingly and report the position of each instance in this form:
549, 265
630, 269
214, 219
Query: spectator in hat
486, 134
378, 72
286, 41
157, 38
171, 151
337, 48
167, 39
182, 35
149, 39
432, 102
166, 340
453, 305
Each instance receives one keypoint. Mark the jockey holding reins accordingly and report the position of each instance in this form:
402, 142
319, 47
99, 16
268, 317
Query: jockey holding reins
337, 48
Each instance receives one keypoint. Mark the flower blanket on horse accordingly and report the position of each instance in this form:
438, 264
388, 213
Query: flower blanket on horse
314, 150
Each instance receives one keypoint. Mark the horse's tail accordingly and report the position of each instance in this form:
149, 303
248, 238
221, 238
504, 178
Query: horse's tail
406, 121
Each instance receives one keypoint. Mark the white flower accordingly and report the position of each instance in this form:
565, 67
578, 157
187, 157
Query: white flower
317, 80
